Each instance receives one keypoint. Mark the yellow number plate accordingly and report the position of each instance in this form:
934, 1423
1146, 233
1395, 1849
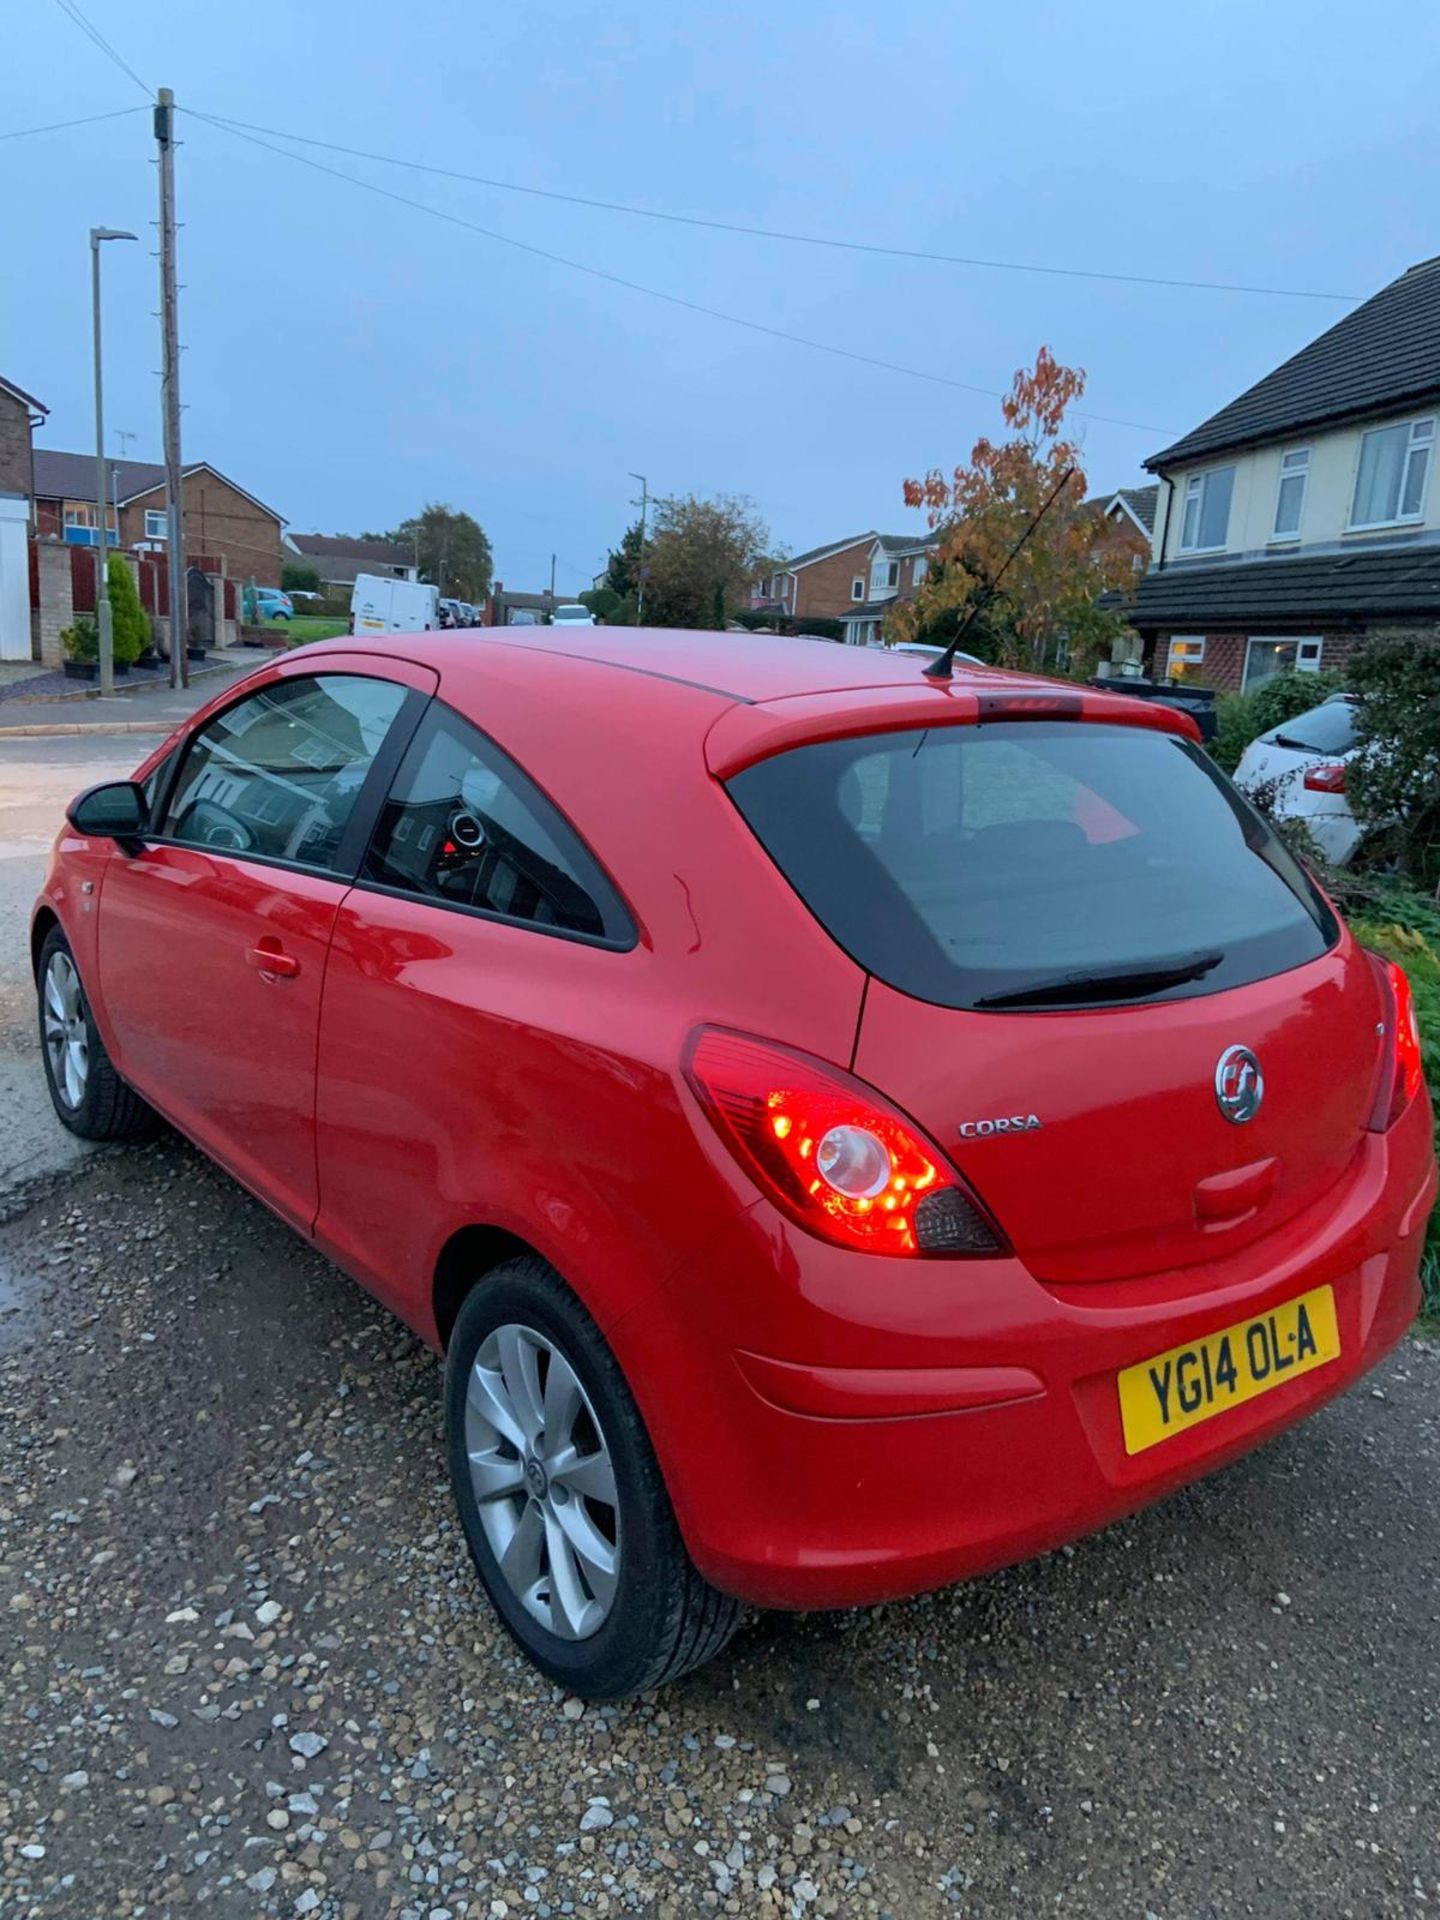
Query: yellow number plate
1179, 1389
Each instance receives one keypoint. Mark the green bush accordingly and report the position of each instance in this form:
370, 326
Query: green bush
301, 580
130, 624
1235, 728
82, 641
1394, 782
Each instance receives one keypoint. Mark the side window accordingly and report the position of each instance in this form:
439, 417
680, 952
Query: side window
278, 775
464, 826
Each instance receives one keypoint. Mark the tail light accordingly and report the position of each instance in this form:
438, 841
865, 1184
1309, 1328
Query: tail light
1328, 777
832, 1153
1402, 1073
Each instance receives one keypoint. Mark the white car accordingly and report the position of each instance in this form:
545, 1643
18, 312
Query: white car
923, 650
572, 616
1297, 770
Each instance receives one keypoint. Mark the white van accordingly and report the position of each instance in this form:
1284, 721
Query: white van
378, 605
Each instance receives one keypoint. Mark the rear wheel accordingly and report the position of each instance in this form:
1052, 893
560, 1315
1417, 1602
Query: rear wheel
561, 1497
85, 1090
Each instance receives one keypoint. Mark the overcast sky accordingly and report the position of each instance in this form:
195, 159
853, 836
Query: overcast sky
348, 358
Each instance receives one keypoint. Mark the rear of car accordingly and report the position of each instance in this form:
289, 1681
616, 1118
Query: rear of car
572, 615
273, 604
1299, 771
1129, 1167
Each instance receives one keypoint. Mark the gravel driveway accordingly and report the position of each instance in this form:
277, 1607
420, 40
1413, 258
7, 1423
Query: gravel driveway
247, 1671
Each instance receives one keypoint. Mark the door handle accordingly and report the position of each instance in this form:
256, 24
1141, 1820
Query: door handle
270, 960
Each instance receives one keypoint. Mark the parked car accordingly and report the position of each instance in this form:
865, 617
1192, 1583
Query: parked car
922, 650
1298, 770
302, 596
523, 617
572, 615
1065, 1147
452, 613
272, 604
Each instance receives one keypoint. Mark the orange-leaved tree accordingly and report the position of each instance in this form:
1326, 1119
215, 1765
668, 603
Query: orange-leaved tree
1047, 605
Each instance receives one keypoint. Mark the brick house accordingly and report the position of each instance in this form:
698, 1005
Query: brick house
20, 413
1304, 516
338, 559
895, 566
221, 519
839, 580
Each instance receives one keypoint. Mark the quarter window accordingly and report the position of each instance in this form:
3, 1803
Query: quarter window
1206, 519
1391, 477
277, 775
1290, 500
465, 827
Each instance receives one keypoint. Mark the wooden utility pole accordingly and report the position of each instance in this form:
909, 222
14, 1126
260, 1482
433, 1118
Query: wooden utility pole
170, 395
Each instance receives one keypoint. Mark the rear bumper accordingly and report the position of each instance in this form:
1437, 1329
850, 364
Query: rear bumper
837, 1429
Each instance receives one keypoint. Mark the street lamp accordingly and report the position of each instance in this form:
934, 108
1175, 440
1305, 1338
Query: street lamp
103, 618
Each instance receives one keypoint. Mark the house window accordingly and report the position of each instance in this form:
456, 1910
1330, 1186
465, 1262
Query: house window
1290, 500
884, 575
857, 587
1187, 654
1207, 510
1390, 480
1264, 659
920, 568
157, 525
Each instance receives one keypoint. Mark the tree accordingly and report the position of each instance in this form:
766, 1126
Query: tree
451, 550
301, 579
622, 570
129, 622
604, 603
701, 559
1051, 592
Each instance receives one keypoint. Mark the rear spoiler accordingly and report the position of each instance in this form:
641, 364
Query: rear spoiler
744, 735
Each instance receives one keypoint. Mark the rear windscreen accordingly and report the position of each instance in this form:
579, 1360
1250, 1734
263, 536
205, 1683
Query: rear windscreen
1327, 729
968, 864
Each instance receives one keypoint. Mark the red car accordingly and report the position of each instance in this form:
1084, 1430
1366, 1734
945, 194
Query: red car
845, 1131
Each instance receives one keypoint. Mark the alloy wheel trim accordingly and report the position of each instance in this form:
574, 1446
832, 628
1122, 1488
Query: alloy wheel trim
66, 1032
544, 1481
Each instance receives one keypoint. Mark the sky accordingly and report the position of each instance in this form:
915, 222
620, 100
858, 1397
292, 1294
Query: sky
348, 358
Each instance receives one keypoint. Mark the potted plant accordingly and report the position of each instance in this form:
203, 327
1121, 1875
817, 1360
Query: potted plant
82, 648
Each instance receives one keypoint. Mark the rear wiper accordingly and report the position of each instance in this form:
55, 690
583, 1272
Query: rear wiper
1299, 746
1119, 984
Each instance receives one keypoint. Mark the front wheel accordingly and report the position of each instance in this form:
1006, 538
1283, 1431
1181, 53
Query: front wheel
86, 1092
561, 1497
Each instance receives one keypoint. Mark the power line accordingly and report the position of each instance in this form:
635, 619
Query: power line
635, 286
72, 12
773, 233
58, 126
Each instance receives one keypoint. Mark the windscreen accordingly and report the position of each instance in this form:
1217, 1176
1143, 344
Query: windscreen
1049, 862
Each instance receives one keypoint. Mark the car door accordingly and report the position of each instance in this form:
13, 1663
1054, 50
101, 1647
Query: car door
214, 934
463, 971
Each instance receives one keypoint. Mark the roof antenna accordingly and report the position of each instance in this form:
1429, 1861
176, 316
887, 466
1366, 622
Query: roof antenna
940, 667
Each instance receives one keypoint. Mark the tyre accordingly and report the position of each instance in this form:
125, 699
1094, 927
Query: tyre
87, 1093
561, 1497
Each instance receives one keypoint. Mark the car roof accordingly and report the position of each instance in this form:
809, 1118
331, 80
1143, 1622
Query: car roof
770, 687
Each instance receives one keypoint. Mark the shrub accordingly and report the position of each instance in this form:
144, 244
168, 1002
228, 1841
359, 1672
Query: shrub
82, 641
1394, 781
130, 624
1235, 728
301, 580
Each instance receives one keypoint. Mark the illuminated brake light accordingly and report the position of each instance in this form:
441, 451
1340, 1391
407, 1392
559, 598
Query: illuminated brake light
1403, 1072
831, 1152
1329, 777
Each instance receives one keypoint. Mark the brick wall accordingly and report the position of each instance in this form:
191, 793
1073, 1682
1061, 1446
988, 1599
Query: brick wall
54, 607
1224, 664
219, 521
15, 467
822, 591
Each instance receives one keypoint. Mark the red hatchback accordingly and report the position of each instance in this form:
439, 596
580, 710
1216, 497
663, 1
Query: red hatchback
845, 1131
